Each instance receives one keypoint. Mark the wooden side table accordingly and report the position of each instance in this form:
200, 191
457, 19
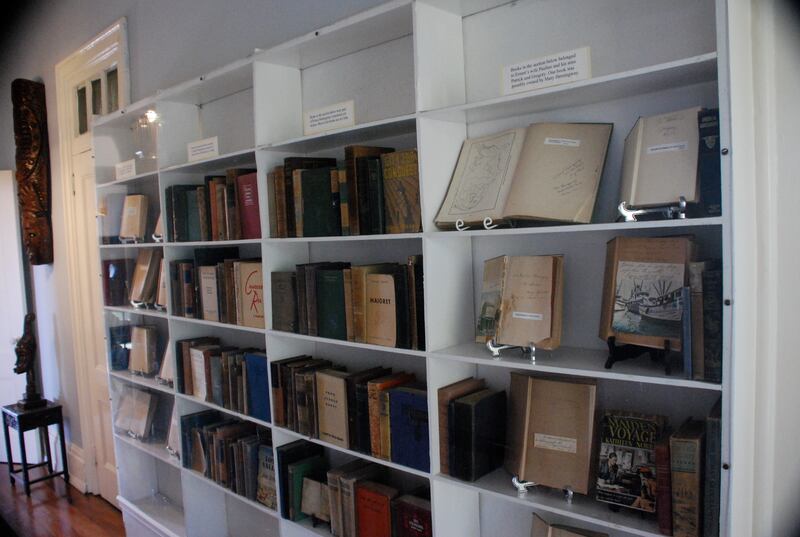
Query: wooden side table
25, 420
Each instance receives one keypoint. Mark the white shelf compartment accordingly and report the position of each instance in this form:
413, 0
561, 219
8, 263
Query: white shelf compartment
114, 141
215, 324
212, 243
574, 362
541, 499
256, 505
342, 343
242, 158
214, 406
131, 181
367, 58
145, 382
130, 310
128, 246
156, 513
678, 73
154, 449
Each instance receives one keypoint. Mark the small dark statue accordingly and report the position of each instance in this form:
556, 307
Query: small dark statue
26, 362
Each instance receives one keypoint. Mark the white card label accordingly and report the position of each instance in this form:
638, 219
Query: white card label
527, 316
555, 443
125, 169
329, 118
667, 148
548, 71
566, 142
203, 149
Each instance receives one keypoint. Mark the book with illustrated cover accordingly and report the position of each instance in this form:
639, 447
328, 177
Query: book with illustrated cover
522, 301
401, 192
626, 474
642, 302
686, 448
547, 171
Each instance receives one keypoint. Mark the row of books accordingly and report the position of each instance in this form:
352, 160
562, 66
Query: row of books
224, 207
139, 349
233, 378
375, 190
218, 286
655, 296
373, 411
353, 498
235, 454
544, 431
141, 283
552, 171
381, 304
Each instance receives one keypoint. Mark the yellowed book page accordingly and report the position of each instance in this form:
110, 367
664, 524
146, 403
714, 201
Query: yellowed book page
381, 310
559, 172
494, 271
482, 178
526, 305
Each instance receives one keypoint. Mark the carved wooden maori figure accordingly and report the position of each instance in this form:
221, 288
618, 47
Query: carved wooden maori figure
33, 169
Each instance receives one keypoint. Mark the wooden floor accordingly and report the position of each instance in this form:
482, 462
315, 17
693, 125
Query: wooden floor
48, 513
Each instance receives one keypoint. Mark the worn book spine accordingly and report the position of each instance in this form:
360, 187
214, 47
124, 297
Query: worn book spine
686, 452
363, 183
208, 293
713, 463
280, 231
186, 271
233, 207
297, 185
222, 227
311, 300
663, 487
302, 308
332, 409
344, 200
401, 192
712, 325
374, 389
373, 509
249, 217
381, 310
331, 304
202, 213
301, 403
176, 284
385, 427
444, 396
348, 303
222, 299
192, 215
272, 204
284, 301
230, 291
213, 222
696, 283
377, 217
358, 282
363, 443
334, 209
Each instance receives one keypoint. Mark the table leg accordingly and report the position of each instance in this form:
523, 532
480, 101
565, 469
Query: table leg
44, 434
8, 451
25, 478
63, 442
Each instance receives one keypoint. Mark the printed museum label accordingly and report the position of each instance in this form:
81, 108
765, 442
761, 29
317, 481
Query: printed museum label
546, 71
329, 118
202, 149
125, 169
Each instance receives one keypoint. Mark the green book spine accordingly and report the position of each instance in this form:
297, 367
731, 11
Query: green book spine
318, 204
192, 216
311, 467
331, 322
377, 213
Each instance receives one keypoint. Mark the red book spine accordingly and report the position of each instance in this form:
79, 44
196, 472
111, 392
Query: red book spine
247, 186
663, 487
373, 514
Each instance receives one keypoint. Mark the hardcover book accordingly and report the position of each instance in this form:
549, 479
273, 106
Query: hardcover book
110, 210
548, 171
374, 388
115, 282
353, 382
290, 164
332, 407
297, 471
249, 217
412, 517
266, 477
642, 290
288, 454
659, 164
334, 493
284, 301
401, 192
315, 501
712, 325
134, 218
477, 433
627, 471
251, 293
257, 368
279, 377
359, 289
522, 301
550, 430
387, 309
663, 486
331, 311
145, 276
711, 473
686, 447
374, 509
209, 299
161, 291
347, 491
351, 154
408, 419
316, 203
445, 395
143, 350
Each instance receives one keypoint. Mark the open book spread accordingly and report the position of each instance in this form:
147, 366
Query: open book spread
548, 171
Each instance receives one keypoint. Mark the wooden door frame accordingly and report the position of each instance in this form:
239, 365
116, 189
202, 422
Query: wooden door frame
108, 48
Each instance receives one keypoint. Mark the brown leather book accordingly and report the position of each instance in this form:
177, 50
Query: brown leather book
359, 288
374, 389
279, 374
284, 301
233, 207
297, 186
401, 192
351, 153
185, 361
550, 431
332, 407
445, 395
161, 291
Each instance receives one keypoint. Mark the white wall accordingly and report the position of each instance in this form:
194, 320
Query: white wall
169, 42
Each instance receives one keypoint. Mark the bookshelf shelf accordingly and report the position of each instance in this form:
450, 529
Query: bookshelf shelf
154, 449
383, 462
427, 74
342, 343
146, 382
573, 362
583, 508
158, 511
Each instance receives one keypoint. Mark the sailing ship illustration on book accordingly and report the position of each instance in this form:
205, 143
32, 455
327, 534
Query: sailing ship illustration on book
648, 299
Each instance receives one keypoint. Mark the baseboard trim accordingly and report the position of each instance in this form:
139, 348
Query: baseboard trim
77, 467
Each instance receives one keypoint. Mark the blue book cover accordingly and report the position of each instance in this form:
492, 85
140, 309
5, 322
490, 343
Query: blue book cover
408, 421
257, 369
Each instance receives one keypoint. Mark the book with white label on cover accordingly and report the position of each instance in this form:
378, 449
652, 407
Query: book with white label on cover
545, 172
134, 218
659, 165
522, 301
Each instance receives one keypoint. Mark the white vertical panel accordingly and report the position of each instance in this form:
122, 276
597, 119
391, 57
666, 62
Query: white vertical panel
439, 146
441, 373
456, 511
439, 57
278, 103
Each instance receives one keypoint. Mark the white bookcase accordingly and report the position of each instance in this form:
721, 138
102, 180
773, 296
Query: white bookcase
427, 74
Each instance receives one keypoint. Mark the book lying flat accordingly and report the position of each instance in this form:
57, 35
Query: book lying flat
547, 171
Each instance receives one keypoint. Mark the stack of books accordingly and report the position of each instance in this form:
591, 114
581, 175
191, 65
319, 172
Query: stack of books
374, 411
235, 454
218, 286
381, 304
375, 190
229, 377
223, 208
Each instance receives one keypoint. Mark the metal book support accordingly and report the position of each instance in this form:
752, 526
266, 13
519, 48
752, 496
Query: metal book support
487, 224
495, 349
523, 486
669, 211
157, 238
130, 240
